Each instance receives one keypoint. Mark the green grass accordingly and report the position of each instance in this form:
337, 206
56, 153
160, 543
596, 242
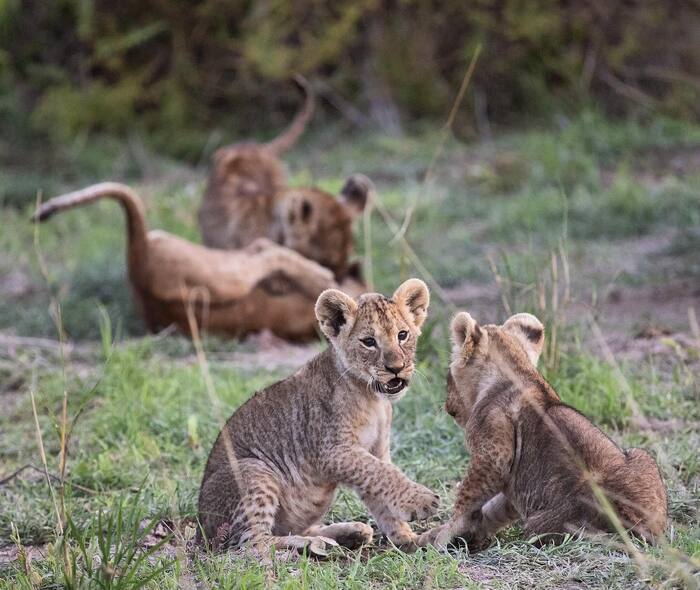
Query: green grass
144, 419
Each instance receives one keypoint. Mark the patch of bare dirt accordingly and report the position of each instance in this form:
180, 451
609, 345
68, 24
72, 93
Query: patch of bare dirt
478, 573
631, 256
482, 300
11, 553
270, 352
14, 347
649, 321
677, 161
15, 281
664, 343
14, 284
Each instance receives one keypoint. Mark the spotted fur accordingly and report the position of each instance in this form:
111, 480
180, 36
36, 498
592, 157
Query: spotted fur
275, 467
532, 456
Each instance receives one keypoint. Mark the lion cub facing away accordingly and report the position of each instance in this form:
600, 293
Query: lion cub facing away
532, 456
274, 468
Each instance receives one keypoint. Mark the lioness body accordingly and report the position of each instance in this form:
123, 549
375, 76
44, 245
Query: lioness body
262, 286
532, 456
247, 198
274, 469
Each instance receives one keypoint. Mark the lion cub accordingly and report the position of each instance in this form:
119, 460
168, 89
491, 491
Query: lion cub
274, 468
532, 456
247, 197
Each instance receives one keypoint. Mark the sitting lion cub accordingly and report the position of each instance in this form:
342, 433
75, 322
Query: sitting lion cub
532, 456
274, 468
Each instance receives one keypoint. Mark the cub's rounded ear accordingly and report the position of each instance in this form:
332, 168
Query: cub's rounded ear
334, 311
357, 193
413, 294
466, 335
530, 333
463, 324
226, 158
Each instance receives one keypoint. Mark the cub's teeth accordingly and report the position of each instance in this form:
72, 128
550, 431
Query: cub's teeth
394, 385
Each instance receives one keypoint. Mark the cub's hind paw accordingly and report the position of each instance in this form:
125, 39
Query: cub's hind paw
438, 536
443, 537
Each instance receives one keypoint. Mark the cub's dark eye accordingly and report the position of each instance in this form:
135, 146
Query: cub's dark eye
369, 342
403, 335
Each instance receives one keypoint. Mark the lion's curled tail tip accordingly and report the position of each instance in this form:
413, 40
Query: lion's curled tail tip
42, 214
303, 82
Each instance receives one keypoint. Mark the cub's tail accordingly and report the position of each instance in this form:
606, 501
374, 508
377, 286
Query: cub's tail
128, 199
284, 142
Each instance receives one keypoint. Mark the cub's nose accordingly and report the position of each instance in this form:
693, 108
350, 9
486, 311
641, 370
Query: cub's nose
396, 369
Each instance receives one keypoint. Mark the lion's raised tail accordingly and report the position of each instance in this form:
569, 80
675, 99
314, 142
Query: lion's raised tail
130, 202
284, 142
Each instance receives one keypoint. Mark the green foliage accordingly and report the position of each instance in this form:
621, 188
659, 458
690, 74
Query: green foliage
65, 111
108, 551
174, 75
594, 389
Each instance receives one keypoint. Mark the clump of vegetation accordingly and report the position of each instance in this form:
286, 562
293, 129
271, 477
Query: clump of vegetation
83, 66
517, 225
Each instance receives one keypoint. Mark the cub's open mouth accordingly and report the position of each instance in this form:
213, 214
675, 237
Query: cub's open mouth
394, 386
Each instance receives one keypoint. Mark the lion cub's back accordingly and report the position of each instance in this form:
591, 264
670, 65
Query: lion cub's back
567, 451
553, 443
598, 451
240, 197
630, 478
279, 423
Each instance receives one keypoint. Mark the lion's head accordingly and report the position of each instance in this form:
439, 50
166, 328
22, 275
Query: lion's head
483, 356
319, 225
375, 336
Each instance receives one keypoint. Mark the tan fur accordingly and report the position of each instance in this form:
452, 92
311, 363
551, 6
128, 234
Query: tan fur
262, 286
532, 456
247, 197
274, 469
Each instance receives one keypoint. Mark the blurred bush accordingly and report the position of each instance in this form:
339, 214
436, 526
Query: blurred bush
176, 70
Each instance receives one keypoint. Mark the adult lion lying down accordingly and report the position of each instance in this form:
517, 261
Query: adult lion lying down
235, 292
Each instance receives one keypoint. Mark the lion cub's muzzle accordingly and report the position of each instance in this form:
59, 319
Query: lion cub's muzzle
394, 386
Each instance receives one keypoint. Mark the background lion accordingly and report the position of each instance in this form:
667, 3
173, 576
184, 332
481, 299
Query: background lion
247, 197
261, 286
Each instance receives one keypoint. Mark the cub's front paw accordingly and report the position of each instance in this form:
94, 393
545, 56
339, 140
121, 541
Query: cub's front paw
444, 537
473, 542
417, 504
